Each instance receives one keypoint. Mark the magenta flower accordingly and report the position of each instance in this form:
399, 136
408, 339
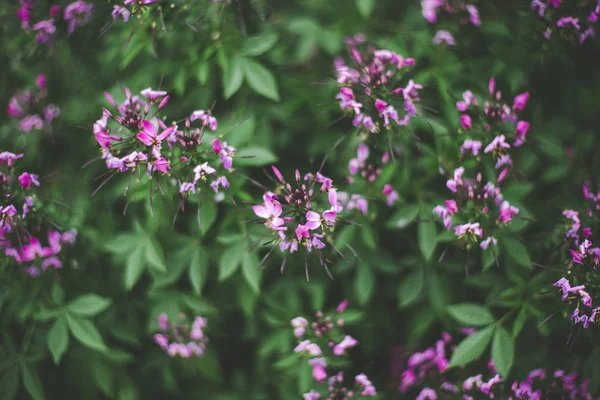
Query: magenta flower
346, 343
468, 229
427, 394
149, 135
9, 158
457, 181
465, 121
486, 242
507, 212
77, 14
521, 101
26, 180
153, 96
497, 144
120, 11
162, 165
521, 131
473, 145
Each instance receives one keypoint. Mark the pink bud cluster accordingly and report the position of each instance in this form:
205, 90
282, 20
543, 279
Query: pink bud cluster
428, 366
30, 108
474, 198
571, 20
559, 385
296, 216
323, 340
22, 220
134, 138
181, 339
370, 90
76, 14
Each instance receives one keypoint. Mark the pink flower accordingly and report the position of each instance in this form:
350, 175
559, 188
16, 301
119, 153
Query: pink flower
312, 395
507, 211
220, 181
473, 145
391, 194
162, 165
427, 394
205, 118
465, 121
120, 11
452, 184
444, 37
319, 373
331, 214
521, 131
153, 96
270, 211
342, 306
302, 231
9, 158
346, 343
498, 143
468, 228
309, 347
490, 240
299, 324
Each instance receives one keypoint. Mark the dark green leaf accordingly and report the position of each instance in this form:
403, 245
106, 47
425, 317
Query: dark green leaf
503, 351
32, 383
251, 271
260, 79
232, 78
427, 238
517, 252
9, 384
230, 260
198, 269
257, 45
89, 305
469, 314
58, 339
364, 283
471, 347
134, 267
410, 288
86, 333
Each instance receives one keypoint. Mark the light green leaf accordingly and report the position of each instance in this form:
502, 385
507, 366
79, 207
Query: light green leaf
251, 271
208, 216
86, 333
155, 256
368, 236
410, 288
520, 320
230, 261
405, 216
470, 314
503, 351
471, 347
365, 7
32, 383
232, 78
134, 267
58, 339
89, 305
260, 79
427, 238
257, 45
256, 156
198, 269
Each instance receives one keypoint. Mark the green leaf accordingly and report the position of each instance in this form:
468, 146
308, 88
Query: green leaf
365, 7
89, 305
437, 292
9, 384
471, 347
257, 45
203, 72
122, 244
200, 306
58, 339
134, 267
260, 79
198, 269
208, 216
517, 251
286, 362
230, 261
503, 351
470, 314
410, 288
427, 239
256, 156
251, 271
404, 217
155, 256
232, 78
520, 320
32, 383
364, 283
368, 236
103, 377
86, 333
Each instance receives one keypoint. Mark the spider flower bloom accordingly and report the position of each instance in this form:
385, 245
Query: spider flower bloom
179, 339
444, 37
78, 13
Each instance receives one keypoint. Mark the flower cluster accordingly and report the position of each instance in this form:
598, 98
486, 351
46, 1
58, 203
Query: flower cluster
569, 19
76, 14
297, 217
487, 129
131, 7
370, 91
30, 108
181, 339
560, 385
135, 138
429, 365
585, 260
321, 341
364, 174
453, 10
22, 220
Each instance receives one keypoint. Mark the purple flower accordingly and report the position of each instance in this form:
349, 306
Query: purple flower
444, 37
427, 394
473, 145
331, 214
220, 181
452, 184
507, 212
46, 30
465, 121
521, 101
486, 242
153, 96
319, 373
31, 122
120, 11
270, 211
468, 228
26, 180
77, 14
348, 342
498, 143
312, 395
